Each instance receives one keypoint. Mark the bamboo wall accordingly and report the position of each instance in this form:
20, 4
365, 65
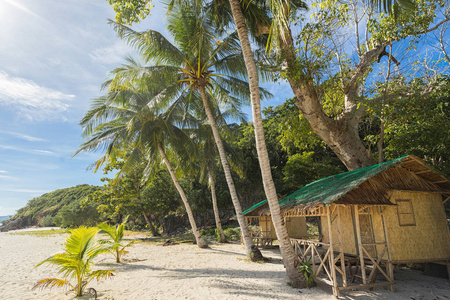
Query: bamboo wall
429, 239
347, 233
296, 226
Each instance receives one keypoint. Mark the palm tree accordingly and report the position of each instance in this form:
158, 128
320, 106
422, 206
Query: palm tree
128, 117
207, 163
286, 248
199, 64
115, 235
80, 249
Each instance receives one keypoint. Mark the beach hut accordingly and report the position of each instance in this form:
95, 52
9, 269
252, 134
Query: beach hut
262, 229
371, 218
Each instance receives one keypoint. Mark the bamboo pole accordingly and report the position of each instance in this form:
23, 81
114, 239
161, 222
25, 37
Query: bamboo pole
332, 263
390, 270
360, 247
344, 275
389, 264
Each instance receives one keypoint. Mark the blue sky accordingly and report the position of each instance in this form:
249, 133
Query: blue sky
54, 55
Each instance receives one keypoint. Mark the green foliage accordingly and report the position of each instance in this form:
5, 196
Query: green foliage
51, 204
305, 267
303, 168
76, 214
115, 235
208, 232
46, 221
75, 263
416, 118
41, 233
232, 233
130, 11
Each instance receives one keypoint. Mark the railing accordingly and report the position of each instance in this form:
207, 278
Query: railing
315, 252
323, 258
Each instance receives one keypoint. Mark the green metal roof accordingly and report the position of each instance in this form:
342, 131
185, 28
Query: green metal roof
254, 207
329, 189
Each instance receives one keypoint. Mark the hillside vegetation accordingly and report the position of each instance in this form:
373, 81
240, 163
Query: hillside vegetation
58, 208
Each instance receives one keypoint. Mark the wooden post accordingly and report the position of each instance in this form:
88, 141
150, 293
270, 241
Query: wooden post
389, 264
360, 247
313, 259
390, 271
344, 275
331, 260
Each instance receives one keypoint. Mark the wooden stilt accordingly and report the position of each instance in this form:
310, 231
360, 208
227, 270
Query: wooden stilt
331, 260
360, 246
389, 264
390, 270
341, 246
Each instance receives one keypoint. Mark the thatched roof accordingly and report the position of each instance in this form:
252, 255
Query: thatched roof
370, 185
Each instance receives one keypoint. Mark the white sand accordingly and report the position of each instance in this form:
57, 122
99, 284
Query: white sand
182, 272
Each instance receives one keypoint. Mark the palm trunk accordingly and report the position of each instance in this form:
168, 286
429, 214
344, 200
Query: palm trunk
118, 256
198, 238
248, 241
212, 185
150, 225
287, 251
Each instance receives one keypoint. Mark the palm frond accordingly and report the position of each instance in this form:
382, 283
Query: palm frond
151, 44
52, 282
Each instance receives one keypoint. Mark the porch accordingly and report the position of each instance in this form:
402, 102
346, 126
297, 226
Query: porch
330, 264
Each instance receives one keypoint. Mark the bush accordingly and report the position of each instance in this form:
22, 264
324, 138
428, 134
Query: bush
208, 232
232, 234
46, 221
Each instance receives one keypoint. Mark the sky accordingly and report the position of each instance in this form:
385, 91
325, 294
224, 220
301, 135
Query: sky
54, 55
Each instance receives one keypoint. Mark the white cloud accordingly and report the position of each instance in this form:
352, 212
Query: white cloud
30, 100
3, 171
7, 177
112, 54
20, 149
24, 136
44, 151
27, 191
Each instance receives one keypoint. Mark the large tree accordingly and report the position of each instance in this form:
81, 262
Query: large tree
317, 65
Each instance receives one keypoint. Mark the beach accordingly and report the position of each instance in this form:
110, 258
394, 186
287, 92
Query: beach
181, 271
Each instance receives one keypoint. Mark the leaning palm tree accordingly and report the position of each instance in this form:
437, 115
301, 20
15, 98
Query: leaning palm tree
287, 251
80, 249
198, 63
130, 117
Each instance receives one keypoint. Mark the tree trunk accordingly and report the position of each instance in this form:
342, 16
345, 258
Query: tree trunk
248, 241
150, 225
287, 251
380, 143
212, 185
198, 238
342, 134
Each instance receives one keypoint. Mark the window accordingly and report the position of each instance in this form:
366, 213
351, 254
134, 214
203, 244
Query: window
405, 213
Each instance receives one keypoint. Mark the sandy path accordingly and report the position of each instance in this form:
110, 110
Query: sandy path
181, 272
